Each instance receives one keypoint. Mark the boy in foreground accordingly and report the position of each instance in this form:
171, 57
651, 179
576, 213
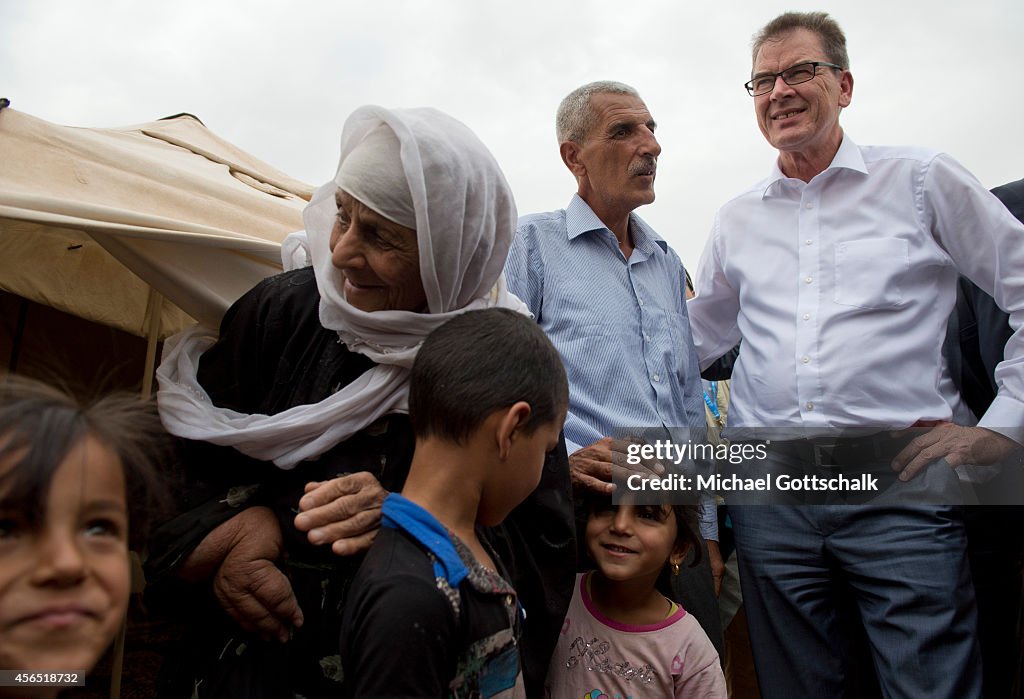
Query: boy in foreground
430, 612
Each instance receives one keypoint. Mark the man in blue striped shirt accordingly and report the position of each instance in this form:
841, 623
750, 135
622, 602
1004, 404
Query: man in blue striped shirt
610, 293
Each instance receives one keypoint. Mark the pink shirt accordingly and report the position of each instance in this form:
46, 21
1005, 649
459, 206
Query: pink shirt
598, 658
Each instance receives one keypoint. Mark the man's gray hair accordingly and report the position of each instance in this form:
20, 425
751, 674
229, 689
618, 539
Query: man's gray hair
833, 41
575, 116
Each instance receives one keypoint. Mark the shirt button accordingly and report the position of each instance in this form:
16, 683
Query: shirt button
805, 359
808, 205
808, 280
807, 316
656, 378
808, 242
647, 337
810, 406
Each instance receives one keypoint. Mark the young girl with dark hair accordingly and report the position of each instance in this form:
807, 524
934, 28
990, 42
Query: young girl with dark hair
621, 636
72, 477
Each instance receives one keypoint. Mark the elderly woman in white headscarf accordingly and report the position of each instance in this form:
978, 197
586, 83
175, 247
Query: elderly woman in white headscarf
293, 420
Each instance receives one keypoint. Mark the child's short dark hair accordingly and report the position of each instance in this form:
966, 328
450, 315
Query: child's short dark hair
479, 362
40, 424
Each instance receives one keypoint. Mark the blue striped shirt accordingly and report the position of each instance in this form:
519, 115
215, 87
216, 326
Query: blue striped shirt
620, 325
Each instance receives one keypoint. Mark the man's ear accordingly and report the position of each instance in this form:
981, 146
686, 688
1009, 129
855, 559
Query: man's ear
510, 426
570, 152
845, 89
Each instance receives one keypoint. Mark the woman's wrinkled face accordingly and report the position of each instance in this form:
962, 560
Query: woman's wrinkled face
378, 258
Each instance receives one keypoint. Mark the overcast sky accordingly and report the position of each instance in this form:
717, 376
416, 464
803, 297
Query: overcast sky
279, 78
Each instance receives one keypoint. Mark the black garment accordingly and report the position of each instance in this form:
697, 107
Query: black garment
274, 354
401, 615
975, 338
721, 368
1012, 196
977, 332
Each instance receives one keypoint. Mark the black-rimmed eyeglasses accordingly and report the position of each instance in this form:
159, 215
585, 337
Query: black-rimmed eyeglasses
794, 75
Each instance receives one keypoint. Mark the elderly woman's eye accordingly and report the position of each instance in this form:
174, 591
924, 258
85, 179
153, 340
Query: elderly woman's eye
380, 239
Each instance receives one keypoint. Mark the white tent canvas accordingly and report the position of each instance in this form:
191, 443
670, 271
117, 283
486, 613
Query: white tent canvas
187, 212
93, 220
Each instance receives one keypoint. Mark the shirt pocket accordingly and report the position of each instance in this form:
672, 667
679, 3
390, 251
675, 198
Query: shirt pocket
869, 272
591, 354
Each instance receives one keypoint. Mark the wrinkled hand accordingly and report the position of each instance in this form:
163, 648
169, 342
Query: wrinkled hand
957, 444
591, 467
249, 586
717, 565
343, 512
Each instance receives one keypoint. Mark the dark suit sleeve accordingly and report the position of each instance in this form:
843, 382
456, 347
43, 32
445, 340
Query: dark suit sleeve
721, 368
981, 327
993, 330
1012, 196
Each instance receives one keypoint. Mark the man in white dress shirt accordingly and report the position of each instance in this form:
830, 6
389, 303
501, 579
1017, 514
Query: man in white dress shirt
838, 272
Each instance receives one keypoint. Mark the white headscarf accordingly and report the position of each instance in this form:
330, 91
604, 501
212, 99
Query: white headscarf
373, 173
465, 220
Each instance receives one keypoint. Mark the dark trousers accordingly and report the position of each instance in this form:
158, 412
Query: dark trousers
813, 576
995, 546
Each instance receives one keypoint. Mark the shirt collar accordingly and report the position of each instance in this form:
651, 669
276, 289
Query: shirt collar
580, 219
400, 513
848, 157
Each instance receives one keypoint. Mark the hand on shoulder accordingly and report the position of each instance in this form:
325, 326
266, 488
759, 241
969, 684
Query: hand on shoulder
344, 512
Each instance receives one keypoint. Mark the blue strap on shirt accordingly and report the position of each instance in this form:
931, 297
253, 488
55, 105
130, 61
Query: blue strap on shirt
401, 513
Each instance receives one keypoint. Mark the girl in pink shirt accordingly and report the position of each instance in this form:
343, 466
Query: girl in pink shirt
623, 639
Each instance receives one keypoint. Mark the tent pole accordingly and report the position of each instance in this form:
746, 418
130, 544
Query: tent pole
154, 311
117, 665
19, 335
154, 308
